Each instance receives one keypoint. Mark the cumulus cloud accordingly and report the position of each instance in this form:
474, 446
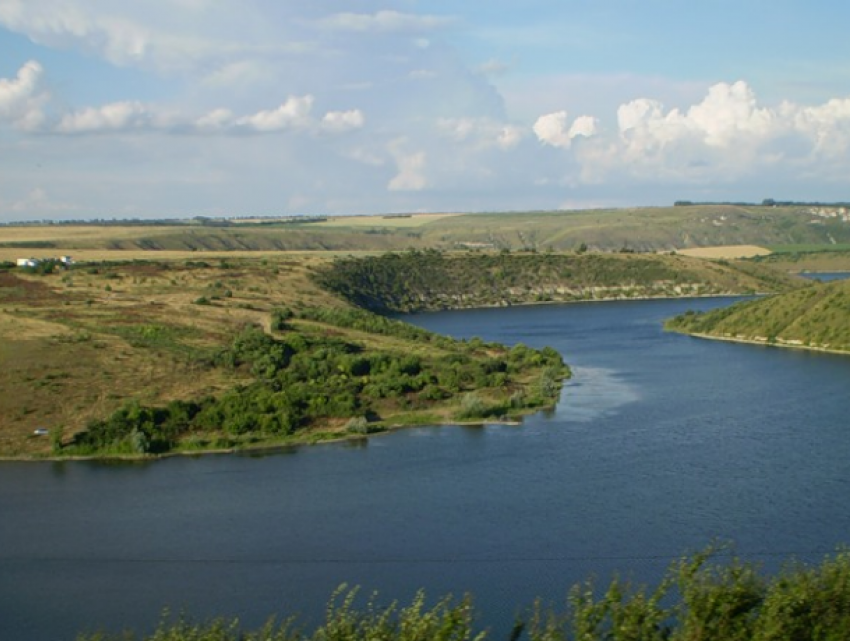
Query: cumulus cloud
724, 136
22, 99
292, 114
728, 115
384, 21
553, 129
339, 121
118, 116
21, 104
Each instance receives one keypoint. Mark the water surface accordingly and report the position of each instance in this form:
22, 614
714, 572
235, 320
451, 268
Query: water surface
660, 444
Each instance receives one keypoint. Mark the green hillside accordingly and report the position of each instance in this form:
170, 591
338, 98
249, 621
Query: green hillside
429, 280
637, 228
154, 357
815, 317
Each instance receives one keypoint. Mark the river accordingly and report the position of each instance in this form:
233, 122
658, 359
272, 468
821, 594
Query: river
660, 444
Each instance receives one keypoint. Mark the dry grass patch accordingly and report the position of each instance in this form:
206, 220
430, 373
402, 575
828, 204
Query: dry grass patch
726, 252
76, 345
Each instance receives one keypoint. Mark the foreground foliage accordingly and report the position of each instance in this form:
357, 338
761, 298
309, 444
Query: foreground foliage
698, 600
310, 375
814, 317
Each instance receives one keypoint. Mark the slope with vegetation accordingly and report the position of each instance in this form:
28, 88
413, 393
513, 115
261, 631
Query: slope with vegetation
814, 317
699, 599
157, 356
154, 357
643, 229
414, 280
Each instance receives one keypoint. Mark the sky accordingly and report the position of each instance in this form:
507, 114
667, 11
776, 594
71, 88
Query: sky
183, 108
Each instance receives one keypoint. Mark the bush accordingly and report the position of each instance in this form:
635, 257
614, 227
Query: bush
471, 406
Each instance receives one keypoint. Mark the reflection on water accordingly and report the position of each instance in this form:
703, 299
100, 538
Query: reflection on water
594, 392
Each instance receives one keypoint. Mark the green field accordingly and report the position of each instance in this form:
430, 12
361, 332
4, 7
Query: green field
643, 229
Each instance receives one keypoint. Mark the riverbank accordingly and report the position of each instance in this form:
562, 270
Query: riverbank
271, 446
764, 342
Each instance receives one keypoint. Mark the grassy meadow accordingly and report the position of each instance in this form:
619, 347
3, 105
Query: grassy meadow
75, 345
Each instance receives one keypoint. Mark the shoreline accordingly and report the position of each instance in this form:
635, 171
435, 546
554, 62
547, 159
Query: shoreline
765, 343
257, 448
619, 299
272, 446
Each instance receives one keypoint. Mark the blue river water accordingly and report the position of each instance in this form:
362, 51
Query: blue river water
660, 444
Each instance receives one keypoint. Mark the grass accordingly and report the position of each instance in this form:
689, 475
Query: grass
640, 229
814, 317
143, 340
79, 344
809, 248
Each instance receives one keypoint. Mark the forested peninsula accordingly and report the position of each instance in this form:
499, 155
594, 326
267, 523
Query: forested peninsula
814, 317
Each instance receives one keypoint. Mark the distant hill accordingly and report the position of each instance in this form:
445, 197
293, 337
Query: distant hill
415, 280
641, 229
815, 317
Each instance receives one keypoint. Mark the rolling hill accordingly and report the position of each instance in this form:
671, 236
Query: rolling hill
815, 317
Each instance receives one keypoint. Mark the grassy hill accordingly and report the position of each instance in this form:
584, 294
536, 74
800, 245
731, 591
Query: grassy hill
639, 229
815, 317
136, 357
430, 280
173, 354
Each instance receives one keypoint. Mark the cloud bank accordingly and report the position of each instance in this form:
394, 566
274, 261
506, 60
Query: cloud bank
216, 105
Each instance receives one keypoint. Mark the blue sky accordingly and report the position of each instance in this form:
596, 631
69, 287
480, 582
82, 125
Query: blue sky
174, 108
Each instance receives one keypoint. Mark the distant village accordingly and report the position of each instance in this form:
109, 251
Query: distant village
65, 261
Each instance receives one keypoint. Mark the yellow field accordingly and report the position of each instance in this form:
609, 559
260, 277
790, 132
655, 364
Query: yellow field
729, 251
414, 220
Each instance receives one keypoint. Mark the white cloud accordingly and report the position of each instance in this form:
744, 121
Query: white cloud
585, 126
170, 36
384, 21
410, 176
22, 99
292, 114
721, 138
339, 121
118, 116
727, 115
20, 103
216, 120
481, 133
552, 129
